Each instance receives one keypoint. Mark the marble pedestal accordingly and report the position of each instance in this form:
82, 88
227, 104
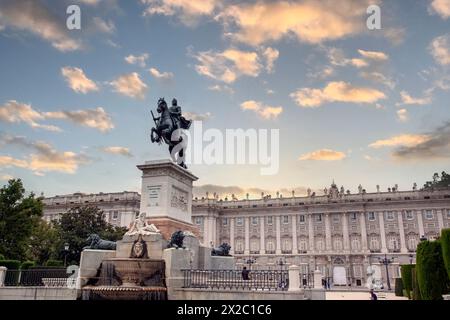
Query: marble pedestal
155, 245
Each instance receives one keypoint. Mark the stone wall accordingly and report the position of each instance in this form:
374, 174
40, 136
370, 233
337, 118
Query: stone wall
37, 293
238, 295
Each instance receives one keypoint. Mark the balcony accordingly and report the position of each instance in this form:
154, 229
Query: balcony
270, 251
286, 251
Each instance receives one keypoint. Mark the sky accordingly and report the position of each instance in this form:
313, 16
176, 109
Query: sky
352, 105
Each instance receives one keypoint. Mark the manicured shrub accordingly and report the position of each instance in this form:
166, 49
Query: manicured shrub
54, 263
445, 243
27, 265
430, 269
2, 257
415, 291
398, 287
10, 264
407, 278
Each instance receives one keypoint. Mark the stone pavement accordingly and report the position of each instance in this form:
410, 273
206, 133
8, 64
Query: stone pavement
348, 295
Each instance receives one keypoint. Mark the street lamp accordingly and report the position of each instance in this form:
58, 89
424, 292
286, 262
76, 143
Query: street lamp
411, 256
281, 263
387, 262
249, 261
423, 238
66, 250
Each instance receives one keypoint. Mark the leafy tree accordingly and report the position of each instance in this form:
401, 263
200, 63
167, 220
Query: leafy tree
75, 226
438, 182
19, 215
44, 242
445, 243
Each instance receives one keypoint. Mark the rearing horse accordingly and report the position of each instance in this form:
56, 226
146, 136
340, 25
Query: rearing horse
165, 127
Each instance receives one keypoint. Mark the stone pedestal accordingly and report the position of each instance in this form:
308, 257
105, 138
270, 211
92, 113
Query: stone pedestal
175, 260
155, 246
294, 278
317, 279
166, 196
2, 276
89, 264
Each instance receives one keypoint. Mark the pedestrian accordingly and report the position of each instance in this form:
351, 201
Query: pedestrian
373, 296
245, 274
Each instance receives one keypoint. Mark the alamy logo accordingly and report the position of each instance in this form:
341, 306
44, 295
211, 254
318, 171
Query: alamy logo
73, 21
235, 147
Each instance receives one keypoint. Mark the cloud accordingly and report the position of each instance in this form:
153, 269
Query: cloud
265, 111
435, 146
408, 100
130, 85
188, 10
440, 49
337, 57
440, 7
160, 75
43, 157
197, 116
323, 154
34, 17
378, 77
77, 80
270, 55
408, 140
395, 35
90, 2
228, 65
402, 115
221, 88
374, 55
118, 151
336, 92
92, 118
309, 21
104, 26
16, 112
138, 60
6, 177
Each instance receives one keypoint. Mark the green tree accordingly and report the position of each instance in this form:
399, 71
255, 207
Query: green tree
441, 182
445, 243
430, 271
406, 273
44, 242
19, 215
77, 224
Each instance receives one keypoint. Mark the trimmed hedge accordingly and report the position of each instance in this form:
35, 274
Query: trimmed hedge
398, 287
415, 291
54, 263
445, 244
27, 265
10, 264
406, 273
431, 273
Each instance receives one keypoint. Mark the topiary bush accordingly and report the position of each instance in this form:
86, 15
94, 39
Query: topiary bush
2, 257
10, 264
415, 291
398, 287
27, 265
406, 273
54, 263
430, 270
445, 244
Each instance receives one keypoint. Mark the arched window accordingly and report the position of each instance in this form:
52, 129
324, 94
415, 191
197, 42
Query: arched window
320, 245
303, 245
254, 245
270, 245
411, 242
392, 242
239, 245
355, 244
374, 243
286, 244
337, 244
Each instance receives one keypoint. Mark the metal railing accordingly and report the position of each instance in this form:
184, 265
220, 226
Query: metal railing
263, 280
38, 277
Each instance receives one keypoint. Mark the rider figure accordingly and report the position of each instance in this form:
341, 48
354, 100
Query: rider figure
175, 112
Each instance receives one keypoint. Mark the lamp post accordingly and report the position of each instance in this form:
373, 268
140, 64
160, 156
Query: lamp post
387, 262
249, 262
66, 250
411, 256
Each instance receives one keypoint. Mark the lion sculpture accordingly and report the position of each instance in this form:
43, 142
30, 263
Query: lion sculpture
95, 242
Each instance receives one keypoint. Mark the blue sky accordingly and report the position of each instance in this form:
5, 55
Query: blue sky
355, 105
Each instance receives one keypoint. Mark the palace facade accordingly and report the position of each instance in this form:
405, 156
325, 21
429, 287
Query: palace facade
339, 233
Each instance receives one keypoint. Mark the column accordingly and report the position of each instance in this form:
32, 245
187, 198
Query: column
420, 223
327, 232
294, 278
294, 234
362, 225
401, 229
232, 236
211, 231
310, 232
278, 229
345, 231
440, 219
247, 235
262, 239
206, 231
382, 232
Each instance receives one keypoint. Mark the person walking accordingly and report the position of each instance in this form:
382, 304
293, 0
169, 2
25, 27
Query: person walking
373, 296
245, 274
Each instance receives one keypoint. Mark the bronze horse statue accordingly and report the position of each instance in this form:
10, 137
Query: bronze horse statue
168, 129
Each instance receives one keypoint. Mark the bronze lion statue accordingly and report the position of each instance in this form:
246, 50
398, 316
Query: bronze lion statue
95, 242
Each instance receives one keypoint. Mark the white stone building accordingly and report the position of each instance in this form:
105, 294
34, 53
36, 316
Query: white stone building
339, 233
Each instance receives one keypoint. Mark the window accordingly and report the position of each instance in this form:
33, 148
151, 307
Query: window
270, 220
356, 245
302, 218
254, 245
389, 215
337, 244
224, 221
115, 215
270, 246
353, 216
374, 244
255, 221
285, 219
409, 215
448, 213
286, 245
371, 216
198, 220
428, 214
239, 247
319, 245
392, 243
239, 221
319, 217
303, 245
412, 243
336, 218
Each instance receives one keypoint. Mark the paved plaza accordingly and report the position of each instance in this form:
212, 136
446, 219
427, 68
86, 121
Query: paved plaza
359, 295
